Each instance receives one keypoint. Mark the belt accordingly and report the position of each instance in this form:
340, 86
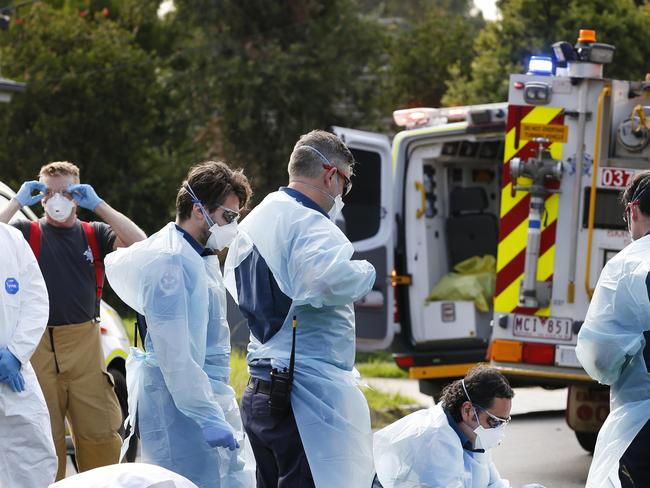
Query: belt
258, 385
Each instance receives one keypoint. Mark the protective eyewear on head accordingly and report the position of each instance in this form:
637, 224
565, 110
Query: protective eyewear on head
493, 421
347, 185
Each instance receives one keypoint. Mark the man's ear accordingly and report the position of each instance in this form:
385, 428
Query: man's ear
328, 177
196, 211
466, 410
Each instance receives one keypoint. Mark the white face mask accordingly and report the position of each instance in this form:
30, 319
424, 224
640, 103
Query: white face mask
221, 236
336, 208
488, 438
338, 203
58, 207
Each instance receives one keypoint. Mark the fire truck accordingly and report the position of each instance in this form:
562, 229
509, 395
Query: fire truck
573, 142
536, 183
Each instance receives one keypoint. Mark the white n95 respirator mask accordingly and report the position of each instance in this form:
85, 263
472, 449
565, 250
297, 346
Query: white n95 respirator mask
221, 236
488, 438
58, 207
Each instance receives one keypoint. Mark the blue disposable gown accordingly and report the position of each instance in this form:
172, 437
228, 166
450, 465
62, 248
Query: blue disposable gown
610, 348
180, 385
310, 259
422, 450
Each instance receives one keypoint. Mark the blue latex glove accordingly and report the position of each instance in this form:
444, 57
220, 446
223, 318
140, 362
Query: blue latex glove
84, 195
15, 382
25, 195
10, 370
219, 437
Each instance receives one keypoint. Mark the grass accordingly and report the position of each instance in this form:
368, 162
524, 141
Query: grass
380, 369
378, 365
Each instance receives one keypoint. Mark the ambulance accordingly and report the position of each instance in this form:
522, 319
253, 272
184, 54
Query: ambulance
535, 182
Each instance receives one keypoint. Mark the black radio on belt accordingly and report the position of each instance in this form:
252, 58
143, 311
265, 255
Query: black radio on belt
281, 382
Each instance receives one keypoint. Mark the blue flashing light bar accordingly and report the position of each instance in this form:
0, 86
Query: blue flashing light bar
540, 65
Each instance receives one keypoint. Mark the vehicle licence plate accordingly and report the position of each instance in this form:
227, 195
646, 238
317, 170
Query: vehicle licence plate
542, 327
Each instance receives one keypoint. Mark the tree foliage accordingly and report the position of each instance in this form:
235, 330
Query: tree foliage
425, 50
277, 70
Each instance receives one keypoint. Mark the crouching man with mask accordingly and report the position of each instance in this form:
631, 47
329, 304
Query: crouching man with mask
69, 361
187, 415
448, 445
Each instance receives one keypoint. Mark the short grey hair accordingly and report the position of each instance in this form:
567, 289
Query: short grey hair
315, 149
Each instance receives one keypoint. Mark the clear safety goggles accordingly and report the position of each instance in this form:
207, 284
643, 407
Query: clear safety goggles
49, 193
493, 421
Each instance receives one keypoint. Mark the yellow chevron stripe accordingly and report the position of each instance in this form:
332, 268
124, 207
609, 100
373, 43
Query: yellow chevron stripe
507, 300
512, 244
508, 202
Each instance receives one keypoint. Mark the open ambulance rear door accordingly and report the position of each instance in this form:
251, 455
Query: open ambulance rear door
368, 221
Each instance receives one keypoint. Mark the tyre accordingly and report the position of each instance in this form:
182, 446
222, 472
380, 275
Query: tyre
587, 440
122, 397
433, 388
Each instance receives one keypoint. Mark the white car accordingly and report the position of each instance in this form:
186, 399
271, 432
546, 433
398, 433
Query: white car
115, 342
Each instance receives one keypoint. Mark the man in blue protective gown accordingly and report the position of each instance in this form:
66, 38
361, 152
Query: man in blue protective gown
187, 414
308, 425
612, 347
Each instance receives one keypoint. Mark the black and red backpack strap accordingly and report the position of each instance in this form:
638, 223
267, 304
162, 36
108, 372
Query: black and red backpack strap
98, 262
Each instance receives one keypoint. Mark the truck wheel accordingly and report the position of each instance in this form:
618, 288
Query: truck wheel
433, 388
587, 440
122, 397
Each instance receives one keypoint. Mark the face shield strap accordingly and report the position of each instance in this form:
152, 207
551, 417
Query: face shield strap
196, 200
